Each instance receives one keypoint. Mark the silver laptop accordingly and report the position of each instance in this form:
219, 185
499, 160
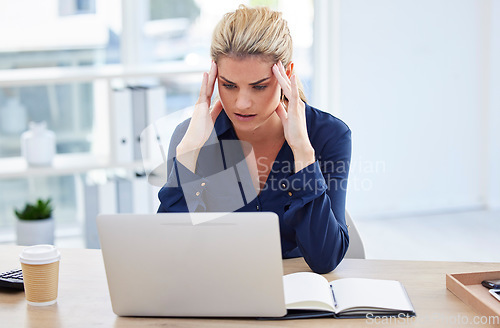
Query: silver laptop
193, 264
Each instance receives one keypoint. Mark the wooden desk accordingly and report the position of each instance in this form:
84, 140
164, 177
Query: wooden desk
84, 299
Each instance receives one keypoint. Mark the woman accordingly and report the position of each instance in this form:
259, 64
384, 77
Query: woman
295, 157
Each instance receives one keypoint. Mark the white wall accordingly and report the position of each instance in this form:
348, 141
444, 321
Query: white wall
415, 84
493, 118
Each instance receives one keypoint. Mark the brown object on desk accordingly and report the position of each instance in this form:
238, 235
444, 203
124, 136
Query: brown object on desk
468, 288
40, 282
83, 299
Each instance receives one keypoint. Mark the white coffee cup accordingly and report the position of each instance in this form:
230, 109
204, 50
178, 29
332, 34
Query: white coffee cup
40, 265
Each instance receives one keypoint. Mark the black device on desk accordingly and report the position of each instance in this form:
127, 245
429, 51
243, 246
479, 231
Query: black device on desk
12, 279
492, 283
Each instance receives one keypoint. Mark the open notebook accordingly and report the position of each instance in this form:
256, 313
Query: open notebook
310, 295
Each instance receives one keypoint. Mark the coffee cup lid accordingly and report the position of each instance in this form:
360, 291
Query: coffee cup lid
39, 254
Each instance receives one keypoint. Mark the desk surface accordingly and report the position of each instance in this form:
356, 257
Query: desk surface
84, 299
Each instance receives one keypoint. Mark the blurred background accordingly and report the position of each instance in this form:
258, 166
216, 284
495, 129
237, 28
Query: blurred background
418, 83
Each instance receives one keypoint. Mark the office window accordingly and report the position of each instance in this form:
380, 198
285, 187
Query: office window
66, 108
53, 34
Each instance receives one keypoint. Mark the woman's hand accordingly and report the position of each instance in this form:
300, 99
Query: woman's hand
202, 122
293, 119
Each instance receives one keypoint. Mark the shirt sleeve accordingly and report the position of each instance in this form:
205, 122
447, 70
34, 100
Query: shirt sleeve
316, 206
172, 194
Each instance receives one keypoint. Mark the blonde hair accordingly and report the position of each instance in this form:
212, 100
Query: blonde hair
256, 31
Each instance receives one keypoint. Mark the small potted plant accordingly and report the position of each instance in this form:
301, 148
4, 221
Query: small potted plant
35, 224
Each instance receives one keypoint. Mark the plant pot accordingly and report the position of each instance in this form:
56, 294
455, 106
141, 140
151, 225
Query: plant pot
35, 232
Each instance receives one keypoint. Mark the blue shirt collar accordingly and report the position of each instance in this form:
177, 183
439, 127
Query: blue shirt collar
222, 124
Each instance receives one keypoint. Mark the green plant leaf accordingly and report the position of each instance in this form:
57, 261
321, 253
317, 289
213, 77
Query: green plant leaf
40, 210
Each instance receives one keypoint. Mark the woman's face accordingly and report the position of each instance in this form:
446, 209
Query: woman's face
249, 91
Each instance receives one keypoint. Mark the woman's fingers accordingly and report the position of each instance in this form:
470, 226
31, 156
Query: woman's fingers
281, 76
282, 71
203, 90
212, 75
282, 114
294, 99
283, 80
295, 89
207, 85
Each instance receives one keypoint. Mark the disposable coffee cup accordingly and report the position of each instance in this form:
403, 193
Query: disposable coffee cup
40, 265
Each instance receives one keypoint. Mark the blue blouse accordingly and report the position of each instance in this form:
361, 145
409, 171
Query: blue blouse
310, 203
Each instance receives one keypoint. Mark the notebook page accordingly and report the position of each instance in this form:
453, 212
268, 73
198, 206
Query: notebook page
307, 291
363, 293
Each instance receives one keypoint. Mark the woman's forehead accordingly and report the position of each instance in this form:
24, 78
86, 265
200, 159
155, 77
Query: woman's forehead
245, 69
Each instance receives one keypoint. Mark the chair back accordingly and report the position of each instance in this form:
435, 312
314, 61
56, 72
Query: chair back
356, 249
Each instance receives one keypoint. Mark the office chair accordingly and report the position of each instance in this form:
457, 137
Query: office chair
356, 249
